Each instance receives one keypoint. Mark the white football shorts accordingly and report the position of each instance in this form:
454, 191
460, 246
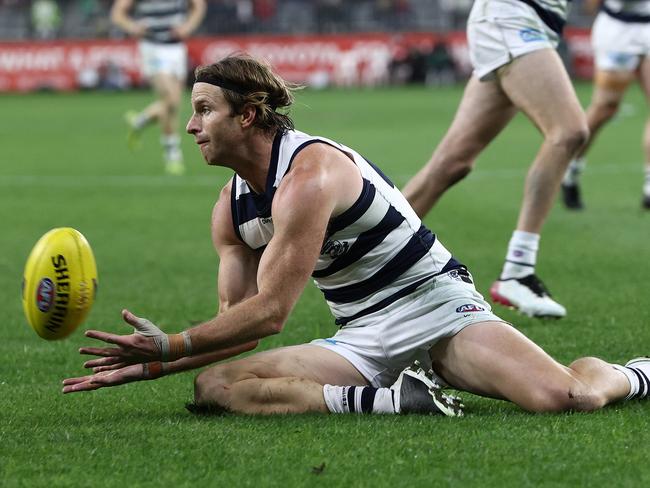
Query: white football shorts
500, 31
163, 58
381, 345
619, 46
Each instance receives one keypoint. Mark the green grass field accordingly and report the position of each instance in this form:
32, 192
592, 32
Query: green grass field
64, 163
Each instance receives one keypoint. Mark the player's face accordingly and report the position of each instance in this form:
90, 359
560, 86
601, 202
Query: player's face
213, 126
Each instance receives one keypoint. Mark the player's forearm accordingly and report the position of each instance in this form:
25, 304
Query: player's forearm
125, 22
200, 360
195, 17
251, 320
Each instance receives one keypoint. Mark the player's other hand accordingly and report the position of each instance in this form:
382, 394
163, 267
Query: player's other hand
180, 32
147, 343
110, 376
138, 30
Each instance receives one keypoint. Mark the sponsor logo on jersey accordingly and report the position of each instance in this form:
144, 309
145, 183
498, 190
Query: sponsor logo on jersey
532, 35
335, 248
469, 307
45, 295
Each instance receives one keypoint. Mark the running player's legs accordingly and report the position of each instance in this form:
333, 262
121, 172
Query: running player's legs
483, 112
284, 380
609, 88
496, 360
169, 89
538, 84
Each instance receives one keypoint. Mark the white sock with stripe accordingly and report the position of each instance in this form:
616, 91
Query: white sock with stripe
573, 172
637, 373
521, 256
358, 399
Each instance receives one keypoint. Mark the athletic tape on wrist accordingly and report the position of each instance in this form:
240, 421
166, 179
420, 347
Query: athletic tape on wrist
153, 370
178, 346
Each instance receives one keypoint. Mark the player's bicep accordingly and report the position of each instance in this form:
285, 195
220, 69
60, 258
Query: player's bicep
237, 262
237, 275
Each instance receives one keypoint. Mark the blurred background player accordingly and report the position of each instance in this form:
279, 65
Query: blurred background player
621, 41
161, 26
512, 48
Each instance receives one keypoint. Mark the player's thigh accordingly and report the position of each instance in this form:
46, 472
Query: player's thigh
167, 86
538, 84
483, 112
609, 88
305, 361
494, 359
611, 82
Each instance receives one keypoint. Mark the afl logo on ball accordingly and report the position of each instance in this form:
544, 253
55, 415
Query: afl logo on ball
45, 294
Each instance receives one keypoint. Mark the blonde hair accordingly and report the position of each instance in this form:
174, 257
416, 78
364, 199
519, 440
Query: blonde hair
248, 81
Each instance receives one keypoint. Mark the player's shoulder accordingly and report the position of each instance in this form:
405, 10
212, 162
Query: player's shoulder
221, 211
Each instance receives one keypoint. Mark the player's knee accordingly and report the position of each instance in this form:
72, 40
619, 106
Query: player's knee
211, 387
453, 165
608, 109
563, 398
570, 137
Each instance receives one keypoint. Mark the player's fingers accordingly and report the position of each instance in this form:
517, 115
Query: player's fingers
105, 336
83, 386
100, 351
99, 369
105, 361
74, 381
131, 318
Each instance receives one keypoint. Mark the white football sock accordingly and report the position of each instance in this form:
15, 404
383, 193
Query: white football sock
646, 181
141, 120
631, 377
358, 399
521, 256
573, 172
172, 147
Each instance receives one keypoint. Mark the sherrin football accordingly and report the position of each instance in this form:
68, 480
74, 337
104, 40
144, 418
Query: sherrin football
59, 283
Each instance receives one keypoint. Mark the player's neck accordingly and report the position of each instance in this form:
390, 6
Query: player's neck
253, 163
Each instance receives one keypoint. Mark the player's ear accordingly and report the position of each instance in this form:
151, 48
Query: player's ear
248, 116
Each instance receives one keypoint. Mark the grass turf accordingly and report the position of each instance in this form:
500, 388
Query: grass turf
64, 163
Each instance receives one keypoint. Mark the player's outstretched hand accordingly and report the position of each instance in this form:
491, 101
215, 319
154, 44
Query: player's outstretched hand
126, 374
147, 343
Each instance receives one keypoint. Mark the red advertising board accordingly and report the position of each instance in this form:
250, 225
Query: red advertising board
360, 59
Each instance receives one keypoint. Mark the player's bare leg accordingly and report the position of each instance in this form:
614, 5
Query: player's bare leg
494, 359
539, 86
170, 89
609, 88
483, 112
164, 110
644, 77
285, 380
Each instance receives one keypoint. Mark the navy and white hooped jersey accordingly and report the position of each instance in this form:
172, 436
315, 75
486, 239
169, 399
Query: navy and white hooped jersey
633, 11
374, 253
160, 16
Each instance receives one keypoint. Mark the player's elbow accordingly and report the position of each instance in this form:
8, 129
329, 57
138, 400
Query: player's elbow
275, 316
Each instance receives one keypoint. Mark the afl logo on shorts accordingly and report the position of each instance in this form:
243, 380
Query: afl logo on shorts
469, 307
45, 294
532, 35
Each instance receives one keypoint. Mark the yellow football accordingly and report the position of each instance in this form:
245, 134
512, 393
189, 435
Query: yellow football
59, 283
